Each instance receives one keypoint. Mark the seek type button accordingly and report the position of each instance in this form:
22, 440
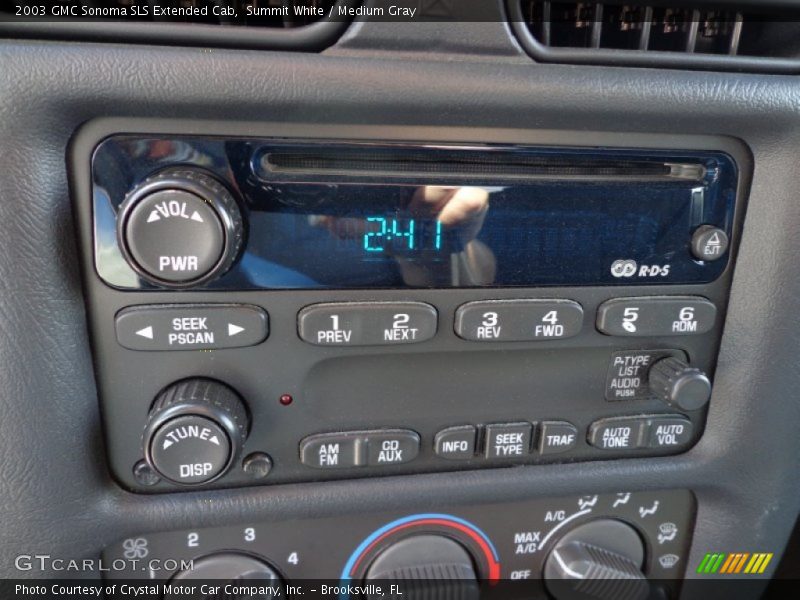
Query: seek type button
518, 320
618, 434
191, 326
367, 323
391, 447
508, 440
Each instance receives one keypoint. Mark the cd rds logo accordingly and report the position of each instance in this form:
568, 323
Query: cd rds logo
629, 268
623, 268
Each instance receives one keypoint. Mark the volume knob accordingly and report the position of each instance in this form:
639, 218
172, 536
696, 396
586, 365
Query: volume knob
180, 228
195, 429
679, 385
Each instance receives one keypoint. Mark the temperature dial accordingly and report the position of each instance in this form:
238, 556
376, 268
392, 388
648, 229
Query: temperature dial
441, 564
195, 429
180, 228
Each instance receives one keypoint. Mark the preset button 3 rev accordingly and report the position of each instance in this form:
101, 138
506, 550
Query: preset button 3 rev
518, 320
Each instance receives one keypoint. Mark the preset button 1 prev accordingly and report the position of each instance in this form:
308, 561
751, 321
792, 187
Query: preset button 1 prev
518, 320
367, 323
191, 326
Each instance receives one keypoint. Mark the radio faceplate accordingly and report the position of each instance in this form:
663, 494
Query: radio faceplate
429, 365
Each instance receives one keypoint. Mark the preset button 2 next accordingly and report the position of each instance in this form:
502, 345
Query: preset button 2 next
367, 323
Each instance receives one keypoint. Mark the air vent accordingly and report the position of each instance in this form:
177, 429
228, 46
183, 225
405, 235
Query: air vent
276, 24
701, 37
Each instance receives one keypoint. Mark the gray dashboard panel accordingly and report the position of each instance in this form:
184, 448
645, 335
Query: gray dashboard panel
58, 496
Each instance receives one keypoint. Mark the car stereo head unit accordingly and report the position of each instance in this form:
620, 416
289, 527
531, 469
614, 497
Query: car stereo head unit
269, 310
251, 214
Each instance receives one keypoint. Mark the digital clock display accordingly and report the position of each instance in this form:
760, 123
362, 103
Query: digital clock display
387, 234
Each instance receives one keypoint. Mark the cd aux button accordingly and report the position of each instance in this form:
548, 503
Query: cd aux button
391, 447
518, 320
367, 323
656, 316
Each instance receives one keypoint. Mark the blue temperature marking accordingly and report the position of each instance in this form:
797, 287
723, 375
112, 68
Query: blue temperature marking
370, 237
438, 241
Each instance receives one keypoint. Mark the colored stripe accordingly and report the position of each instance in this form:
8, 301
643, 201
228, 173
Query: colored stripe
761, 557
729, 563
751, 566
741, 562
701, 567
763, 566
718, 562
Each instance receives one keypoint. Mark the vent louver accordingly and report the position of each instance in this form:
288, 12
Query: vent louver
275, 24
684, 36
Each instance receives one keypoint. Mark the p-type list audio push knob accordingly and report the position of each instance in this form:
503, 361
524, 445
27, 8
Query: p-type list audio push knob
180, 228
195, 430
679, 385
599, 560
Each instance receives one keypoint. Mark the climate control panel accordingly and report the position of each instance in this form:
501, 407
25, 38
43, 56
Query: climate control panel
266, 311
569, 547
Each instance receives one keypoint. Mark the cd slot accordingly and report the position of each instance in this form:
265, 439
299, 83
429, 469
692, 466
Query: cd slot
457, 164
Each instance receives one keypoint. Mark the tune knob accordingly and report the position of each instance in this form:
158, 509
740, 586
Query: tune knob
179, 228
233, 577
599, 560
195, 429
679, 385
440, 566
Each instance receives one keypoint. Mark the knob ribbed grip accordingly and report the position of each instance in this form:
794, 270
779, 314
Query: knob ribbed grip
197, 393
204, 188
678, 384
195, 430
597, 573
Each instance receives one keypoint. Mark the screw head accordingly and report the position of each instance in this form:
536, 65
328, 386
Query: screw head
145, 474
257, 465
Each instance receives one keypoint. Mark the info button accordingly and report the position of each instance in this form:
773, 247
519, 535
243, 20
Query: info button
191, 326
